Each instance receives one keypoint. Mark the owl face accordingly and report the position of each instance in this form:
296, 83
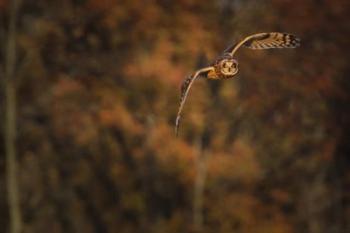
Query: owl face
229, 67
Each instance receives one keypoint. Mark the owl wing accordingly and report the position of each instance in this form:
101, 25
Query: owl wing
266, 40
185, 87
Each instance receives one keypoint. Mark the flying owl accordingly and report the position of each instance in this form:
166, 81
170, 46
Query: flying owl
225, 66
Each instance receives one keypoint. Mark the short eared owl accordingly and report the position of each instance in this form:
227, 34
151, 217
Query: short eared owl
225, 66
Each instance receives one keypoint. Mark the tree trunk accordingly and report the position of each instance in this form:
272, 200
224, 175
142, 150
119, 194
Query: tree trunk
10, 123
201, 171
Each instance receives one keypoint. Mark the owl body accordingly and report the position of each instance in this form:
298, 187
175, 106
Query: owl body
224, 67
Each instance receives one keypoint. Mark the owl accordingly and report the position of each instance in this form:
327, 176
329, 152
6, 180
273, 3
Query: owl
226, 67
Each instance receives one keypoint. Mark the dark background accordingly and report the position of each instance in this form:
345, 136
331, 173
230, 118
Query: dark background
97, 95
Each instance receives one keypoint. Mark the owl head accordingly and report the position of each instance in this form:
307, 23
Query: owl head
228, 66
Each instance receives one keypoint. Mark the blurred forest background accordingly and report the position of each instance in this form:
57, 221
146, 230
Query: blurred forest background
97, 89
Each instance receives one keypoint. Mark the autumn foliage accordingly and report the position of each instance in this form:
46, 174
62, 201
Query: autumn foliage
98, 90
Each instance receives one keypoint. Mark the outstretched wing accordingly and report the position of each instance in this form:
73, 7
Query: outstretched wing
185, 87
266, 40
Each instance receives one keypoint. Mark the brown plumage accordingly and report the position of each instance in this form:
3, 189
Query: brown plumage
225, 66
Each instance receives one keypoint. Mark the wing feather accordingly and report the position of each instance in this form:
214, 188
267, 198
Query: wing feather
266, 40
185, 88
